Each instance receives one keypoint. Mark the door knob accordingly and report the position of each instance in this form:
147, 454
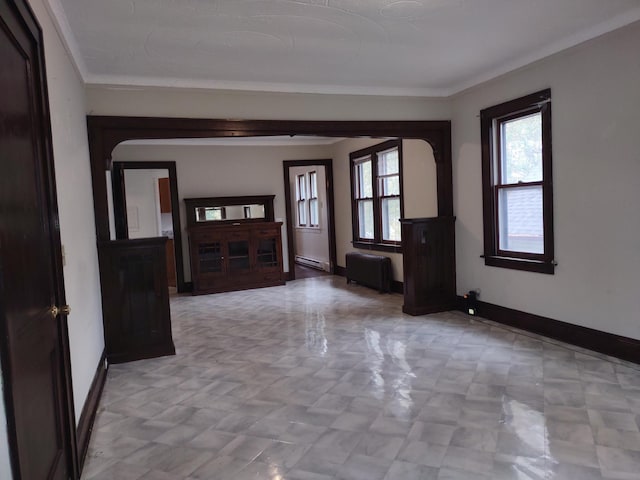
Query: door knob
55, 310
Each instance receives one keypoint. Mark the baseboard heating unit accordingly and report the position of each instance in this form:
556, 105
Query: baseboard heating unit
310, 262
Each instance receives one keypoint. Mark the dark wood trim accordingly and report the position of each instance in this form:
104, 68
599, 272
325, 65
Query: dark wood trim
519, 264
120, 207
21, 11
118, 189
149, 352
624, 348
379, 247
328, 171
396, 286
536, 102
88, 415
107, 132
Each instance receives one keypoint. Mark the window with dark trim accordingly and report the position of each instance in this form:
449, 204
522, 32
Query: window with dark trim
377, 203
301, 197
517, 184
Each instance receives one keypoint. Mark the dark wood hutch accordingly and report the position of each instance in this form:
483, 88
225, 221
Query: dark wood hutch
234, 243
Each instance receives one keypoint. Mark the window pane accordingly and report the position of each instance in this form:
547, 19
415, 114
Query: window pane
213, 213
364, 188
300, 190
388, 162
390, 186
302, 214
365, 219
520, 220
313, 188
522, 149
313, 212
390, 219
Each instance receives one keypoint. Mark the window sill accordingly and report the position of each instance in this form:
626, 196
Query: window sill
537, 266
381, 247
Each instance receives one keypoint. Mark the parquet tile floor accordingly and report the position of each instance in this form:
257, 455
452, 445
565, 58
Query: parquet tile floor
319, 380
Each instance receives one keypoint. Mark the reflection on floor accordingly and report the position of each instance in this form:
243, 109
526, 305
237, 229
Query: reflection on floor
322, 380
308, 272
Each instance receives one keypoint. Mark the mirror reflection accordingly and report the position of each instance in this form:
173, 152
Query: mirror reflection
230, 212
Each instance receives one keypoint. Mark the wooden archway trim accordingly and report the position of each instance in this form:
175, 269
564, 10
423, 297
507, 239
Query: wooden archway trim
105, 132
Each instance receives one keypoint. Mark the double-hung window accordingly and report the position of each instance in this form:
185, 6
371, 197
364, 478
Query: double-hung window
376, 184
307, 199
517, 184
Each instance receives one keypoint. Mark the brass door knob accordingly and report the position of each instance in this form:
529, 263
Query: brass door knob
54, 311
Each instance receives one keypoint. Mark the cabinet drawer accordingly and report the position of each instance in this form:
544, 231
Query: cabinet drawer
207, 238
266, 232
237, 236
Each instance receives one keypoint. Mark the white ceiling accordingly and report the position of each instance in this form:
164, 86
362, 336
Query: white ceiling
388, 47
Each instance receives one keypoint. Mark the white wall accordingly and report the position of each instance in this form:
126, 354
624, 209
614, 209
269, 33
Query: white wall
191, 103
143, 201
77, 225
311, 242
418, 188
219, 171
596, 187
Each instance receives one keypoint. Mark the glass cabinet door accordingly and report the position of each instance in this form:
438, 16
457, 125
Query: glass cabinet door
239, 255
210, 258
267, 253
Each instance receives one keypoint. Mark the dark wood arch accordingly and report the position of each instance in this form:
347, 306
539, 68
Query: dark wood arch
106, 132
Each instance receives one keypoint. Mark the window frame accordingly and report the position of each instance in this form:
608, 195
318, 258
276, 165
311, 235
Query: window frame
376, 243
491, 121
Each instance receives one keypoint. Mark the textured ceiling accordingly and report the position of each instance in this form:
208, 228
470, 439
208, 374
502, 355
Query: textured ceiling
413, 47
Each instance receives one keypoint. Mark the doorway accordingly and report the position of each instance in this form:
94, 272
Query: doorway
145, 203
310, 215
34, 344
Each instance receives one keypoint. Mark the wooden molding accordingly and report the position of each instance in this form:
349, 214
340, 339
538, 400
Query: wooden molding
617, 346
106, 132
88, 415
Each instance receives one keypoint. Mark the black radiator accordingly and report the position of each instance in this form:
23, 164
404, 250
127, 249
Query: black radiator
369, 270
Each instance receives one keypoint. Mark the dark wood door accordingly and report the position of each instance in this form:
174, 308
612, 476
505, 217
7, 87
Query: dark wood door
34, 352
